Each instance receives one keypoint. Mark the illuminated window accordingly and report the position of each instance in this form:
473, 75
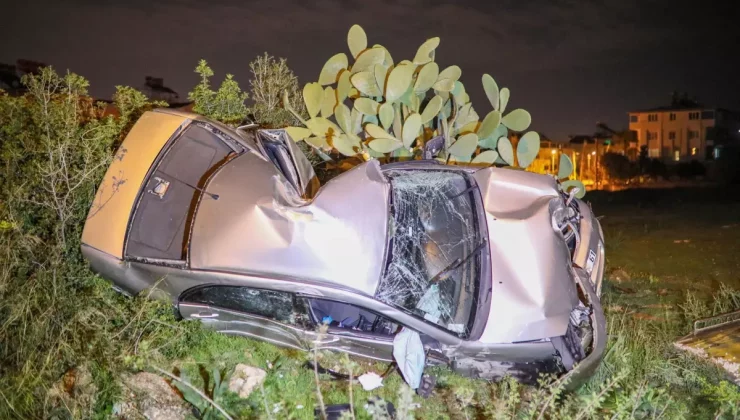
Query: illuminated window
654, 153
693, 151
676, 155
672, 117
716, 152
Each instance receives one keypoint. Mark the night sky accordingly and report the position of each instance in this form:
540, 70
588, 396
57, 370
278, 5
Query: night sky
570, 63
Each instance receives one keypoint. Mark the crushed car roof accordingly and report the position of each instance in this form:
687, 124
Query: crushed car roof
338, 238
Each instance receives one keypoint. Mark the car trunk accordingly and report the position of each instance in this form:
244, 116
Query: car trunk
165, 208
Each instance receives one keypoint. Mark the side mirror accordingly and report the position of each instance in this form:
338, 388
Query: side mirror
433, 147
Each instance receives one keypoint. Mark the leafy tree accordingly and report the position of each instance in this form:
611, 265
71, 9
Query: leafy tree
618, 167
657, 168
691, 169
226, 104
643, 160
270, 78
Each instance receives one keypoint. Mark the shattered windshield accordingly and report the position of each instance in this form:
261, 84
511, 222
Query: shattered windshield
435, 243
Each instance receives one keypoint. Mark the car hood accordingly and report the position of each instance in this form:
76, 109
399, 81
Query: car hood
259, 226
533, 288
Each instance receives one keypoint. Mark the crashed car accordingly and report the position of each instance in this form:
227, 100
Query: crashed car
498, 270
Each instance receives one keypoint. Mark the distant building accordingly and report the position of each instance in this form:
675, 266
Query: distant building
546, 160
155, 90
685, 130
10, 75
9, 79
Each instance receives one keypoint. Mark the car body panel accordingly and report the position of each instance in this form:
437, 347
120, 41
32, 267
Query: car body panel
590, 252
587, 367
535, 295
338, 238
298, 169
359, 344
244, 324
107, 221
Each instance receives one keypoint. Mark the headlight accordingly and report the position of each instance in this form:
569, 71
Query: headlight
558, 214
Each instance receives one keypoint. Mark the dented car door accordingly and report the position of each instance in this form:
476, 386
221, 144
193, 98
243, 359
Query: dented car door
256, 313
352, 329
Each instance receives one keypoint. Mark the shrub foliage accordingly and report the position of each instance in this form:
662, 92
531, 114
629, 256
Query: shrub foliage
55, 146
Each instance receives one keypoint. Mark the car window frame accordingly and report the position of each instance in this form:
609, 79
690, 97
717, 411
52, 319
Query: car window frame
295, 299
226, 139
315, 324
474, 329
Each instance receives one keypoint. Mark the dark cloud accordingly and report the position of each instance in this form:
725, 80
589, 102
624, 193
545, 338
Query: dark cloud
571, 63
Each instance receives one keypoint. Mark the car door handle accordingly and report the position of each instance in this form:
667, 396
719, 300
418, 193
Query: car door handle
204, 315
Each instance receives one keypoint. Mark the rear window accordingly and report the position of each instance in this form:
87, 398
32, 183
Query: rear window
167, 201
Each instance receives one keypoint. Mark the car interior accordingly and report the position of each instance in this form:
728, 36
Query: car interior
345, 316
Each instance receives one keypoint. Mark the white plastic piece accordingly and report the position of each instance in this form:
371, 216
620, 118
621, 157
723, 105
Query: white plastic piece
370, 381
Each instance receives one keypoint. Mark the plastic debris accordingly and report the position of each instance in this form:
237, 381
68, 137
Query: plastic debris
427, 386
409, 354
370, 381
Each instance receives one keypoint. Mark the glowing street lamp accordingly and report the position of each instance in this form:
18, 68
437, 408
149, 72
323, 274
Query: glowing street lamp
552, 160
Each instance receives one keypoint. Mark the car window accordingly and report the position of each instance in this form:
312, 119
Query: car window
346, 316
272, 304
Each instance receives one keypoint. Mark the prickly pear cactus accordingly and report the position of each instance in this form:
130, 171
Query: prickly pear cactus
367, 104
565, 169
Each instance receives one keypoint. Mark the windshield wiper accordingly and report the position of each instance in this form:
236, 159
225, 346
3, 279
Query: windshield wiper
458, 262
463, 192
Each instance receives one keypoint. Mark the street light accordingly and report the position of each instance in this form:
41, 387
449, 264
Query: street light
552, 160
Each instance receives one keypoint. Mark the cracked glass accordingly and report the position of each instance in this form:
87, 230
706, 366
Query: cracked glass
434, 252
268, 303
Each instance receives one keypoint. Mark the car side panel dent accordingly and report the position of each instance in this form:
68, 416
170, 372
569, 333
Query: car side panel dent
586, 367
523, 361
124, 277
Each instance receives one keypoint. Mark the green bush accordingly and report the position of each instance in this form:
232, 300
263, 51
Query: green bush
55, 314
225, 104
618, 167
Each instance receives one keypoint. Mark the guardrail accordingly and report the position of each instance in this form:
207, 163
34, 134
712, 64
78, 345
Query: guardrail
715, 321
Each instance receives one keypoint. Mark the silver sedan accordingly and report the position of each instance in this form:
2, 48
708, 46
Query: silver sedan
498, 270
